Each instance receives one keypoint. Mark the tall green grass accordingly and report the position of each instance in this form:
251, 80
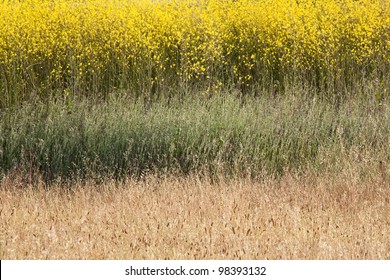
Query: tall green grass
230, 135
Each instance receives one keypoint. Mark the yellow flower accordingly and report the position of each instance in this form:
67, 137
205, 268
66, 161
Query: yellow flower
100, 43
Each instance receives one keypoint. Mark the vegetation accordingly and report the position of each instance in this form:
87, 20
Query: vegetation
194, 129
187, 218
155, 48
228, 135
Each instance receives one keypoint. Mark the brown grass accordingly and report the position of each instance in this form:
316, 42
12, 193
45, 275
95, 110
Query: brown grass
188, 218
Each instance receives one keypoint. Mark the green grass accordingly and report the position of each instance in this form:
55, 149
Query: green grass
75, 138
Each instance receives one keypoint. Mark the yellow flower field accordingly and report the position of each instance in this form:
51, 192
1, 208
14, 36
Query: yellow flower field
149, 45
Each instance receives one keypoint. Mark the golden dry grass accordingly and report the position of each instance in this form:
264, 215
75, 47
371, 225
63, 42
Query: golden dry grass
188, 218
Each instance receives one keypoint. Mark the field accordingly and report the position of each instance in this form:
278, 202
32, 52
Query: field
155, 48
188, 218
194, 129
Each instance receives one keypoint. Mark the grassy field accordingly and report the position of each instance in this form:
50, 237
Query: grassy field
189, 218
195, 129
70, 139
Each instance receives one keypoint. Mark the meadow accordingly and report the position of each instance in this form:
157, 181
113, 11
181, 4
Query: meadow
195, 129
72, 139
163, 48
191, 218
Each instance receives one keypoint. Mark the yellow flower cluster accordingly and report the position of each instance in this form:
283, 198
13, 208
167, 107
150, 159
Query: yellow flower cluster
100, 45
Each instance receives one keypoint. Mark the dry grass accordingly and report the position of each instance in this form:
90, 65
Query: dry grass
188, 218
